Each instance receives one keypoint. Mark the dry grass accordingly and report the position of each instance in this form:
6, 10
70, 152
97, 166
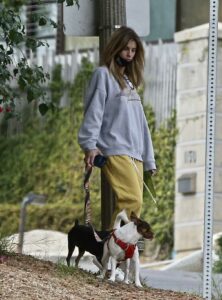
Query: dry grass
24, 277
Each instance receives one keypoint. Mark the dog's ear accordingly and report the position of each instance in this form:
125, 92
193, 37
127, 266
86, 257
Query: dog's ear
133, 217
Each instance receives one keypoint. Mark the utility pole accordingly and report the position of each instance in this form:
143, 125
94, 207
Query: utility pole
112, 15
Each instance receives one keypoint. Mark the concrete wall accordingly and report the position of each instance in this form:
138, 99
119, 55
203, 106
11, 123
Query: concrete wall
191, 122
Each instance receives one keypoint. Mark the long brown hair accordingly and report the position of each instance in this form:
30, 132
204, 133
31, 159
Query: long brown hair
115, 45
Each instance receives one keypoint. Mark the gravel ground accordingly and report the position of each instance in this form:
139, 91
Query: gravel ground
24, 277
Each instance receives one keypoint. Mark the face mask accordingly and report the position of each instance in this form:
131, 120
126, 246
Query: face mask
122, 62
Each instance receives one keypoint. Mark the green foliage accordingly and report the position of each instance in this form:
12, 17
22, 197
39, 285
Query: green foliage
4, 245
29, 79
87, 276
217, 268
161, 215
57, 86
16, 4
64, 270
47, 159
54, 216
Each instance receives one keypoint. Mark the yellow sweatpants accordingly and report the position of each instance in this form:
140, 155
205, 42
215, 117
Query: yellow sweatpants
126, 183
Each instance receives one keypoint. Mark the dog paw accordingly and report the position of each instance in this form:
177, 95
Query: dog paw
126, 281
138, 284
112, 282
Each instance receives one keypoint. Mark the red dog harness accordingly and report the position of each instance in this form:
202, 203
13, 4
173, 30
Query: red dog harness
128, 248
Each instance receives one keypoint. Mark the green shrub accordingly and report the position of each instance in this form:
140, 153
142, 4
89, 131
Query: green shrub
45, 157
217, 268
4, 245
161, 216
54, 216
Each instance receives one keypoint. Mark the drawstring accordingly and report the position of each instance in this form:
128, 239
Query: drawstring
141, 177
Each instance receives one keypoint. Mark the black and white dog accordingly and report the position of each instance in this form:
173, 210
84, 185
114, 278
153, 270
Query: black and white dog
121, 246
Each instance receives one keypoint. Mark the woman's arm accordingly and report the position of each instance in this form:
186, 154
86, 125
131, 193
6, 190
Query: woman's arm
93, 116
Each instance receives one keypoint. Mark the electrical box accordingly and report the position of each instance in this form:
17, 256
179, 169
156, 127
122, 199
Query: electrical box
187, 184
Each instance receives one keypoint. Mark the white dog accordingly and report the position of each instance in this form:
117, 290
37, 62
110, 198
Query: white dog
121, 245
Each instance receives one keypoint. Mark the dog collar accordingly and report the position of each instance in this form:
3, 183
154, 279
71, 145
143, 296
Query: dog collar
128, 248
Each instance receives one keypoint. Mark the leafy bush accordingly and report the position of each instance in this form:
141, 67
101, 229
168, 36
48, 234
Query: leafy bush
161, 215
217, 268
51, 216
46, 159
4, 245
29, 78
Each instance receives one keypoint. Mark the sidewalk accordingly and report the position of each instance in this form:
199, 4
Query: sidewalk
178, 281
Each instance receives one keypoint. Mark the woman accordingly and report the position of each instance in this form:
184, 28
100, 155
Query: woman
114, 123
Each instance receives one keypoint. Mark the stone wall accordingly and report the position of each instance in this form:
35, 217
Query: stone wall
190, 151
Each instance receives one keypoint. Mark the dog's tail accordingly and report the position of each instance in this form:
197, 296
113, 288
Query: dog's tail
76, 222
122, 216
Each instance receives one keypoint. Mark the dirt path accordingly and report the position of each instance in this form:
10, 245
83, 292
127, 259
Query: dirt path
26, 278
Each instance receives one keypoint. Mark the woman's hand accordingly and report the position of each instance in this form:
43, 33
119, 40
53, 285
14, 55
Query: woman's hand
89, 157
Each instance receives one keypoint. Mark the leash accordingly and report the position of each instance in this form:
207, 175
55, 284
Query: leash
141, 177
87, 207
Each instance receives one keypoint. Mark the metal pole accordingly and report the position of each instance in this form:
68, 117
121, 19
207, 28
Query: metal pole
30, 198
22, 225
112, 14
210, 142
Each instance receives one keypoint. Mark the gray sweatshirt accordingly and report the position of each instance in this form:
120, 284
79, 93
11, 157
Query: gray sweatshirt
114, 120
